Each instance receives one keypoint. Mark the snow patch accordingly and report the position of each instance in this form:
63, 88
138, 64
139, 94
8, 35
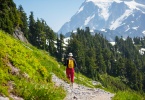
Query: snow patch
135, 28
104, 6
134, 5
142, 51
103, 30
104, 9
88, 19
104, 12
81, 9
143, 32
97, 1
132, 21
74, 31
66, 40
92, 31
105, 1
118, 22
112, 43
128, 28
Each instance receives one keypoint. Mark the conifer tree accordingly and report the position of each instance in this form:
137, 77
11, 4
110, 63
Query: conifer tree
32, 36
51, 38
24, 24
60, 47
9, 19
96, 56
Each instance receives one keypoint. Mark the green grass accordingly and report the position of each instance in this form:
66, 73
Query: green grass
112, 84
41, 91
37, 64
127, 95
81, 79
121, 91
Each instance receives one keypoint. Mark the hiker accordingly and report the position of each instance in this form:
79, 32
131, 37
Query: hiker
71, 64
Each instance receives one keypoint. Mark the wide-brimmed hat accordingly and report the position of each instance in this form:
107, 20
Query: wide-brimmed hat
70, 54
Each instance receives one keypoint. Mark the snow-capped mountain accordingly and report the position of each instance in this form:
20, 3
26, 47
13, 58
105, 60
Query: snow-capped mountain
109, 17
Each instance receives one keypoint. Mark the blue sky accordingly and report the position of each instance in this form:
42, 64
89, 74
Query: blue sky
54, 12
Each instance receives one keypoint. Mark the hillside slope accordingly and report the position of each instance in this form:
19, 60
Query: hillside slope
26, 72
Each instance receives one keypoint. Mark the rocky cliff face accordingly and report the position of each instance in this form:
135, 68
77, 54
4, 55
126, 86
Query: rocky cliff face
19, 35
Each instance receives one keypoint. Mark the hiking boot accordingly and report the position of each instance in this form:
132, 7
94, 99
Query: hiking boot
71, 85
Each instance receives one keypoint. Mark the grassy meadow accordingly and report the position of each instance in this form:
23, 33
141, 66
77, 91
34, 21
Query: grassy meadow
26, 72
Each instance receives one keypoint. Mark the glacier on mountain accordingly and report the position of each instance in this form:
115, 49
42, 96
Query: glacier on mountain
116, 17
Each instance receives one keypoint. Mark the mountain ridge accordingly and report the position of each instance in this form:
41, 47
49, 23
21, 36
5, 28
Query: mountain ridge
124, 16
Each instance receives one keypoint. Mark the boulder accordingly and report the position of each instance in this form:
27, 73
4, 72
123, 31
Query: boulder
19, 35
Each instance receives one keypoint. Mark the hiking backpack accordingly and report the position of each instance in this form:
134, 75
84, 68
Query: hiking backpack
70, 63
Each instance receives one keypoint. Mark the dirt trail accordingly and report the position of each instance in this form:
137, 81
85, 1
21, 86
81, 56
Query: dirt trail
80, 92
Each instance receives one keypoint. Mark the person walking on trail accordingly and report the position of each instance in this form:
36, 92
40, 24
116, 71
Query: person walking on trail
71, 64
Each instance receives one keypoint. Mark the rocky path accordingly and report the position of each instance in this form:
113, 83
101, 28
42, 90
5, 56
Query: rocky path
79, 92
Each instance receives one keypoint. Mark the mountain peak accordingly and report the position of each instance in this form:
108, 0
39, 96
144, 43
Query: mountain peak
100, 0
103, 1
122, 17
118, 1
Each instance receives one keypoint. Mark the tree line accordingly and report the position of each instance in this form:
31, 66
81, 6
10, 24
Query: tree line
37, 32
94, 54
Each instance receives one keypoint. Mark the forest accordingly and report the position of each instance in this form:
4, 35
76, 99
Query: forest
94, 54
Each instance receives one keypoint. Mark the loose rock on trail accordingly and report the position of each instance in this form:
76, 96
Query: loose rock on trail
80, 92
